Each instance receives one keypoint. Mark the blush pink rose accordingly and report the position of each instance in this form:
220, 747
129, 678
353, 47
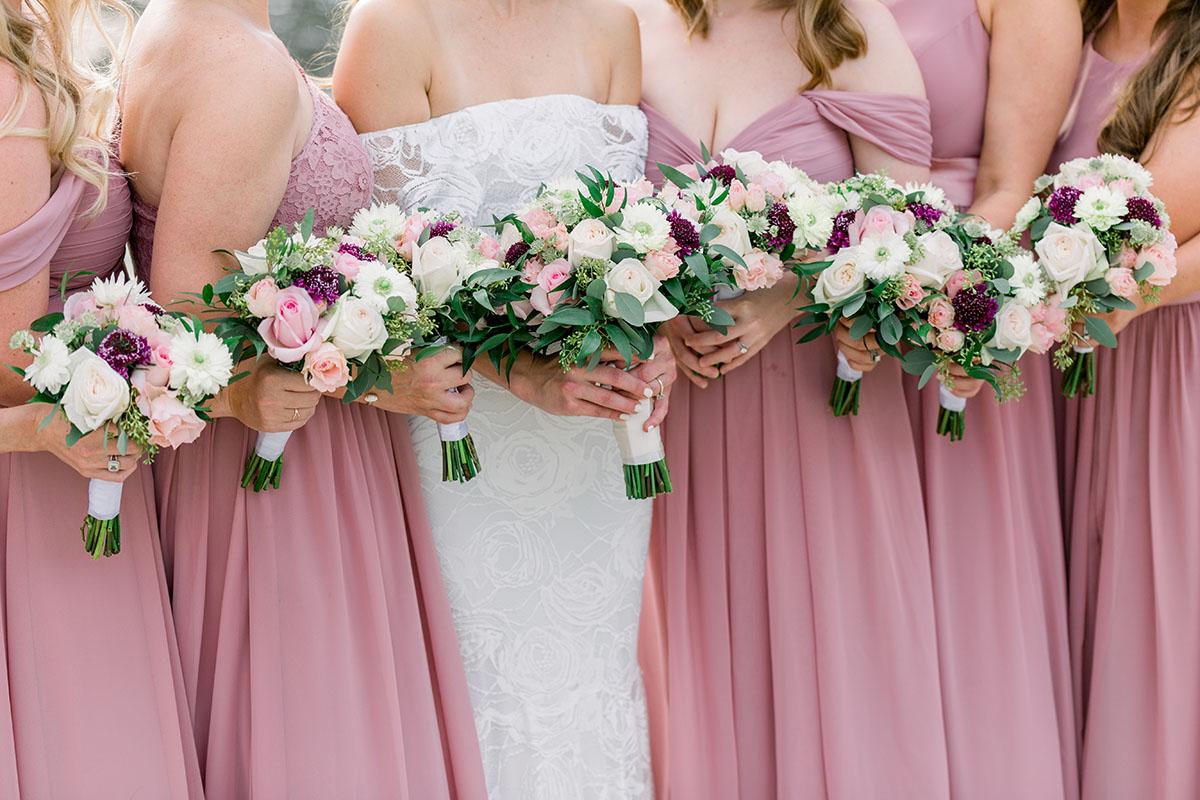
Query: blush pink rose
762, 271
347, 265
1129, 257
639, 191
756, 198
560, 237
951, 341
769, 183
879, 220
171, 422
543, 297
1042, 338
1125, 187
295, 328
260, 297
662, 265
1051, 316
737, 195
531, 270
325, 368
413, 229
138, 319
79, 304
689, 170
960, 279
912, 294
489, 247
1121, 282
941, 313
541, 222
1089, 181
1162, 256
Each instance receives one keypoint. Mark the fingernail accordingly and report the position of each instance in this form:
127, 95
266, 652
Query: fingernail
624, 416
651, 358
653, 427
648, 392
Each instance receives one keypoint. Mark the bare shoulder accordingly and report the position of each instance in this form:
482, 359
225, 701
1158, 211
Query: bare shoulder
1059, 20
24, 160
888, 65
33, 111
384, 64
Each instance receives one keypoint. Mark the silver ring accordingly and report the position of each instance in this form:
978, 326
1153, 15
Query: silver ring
371, 398
114, 464
875, 355
295, 415
742, 347
662, 389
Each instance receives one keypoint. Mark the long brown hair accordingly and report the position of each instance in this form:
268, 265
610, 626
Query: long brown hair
1165, 89
828, 33
43, 46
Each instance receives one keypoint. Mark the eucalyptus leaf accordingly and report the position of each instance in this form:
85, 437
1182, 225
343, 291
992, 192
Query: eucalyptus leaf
1098, 329
630, 309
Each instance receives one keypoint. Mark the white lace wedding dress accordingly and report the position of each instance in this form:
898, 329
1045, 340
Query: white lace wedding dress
542, 555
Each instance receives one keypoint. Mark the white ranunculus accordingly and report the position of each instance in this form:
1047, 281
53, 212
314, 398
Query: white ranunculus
1100, 207
385, 220
1014, 327
254, 261
377, 282
1070, 256
643, 227
51, 367
883, 256
591, 238
809, 212
631, 277
839, 281
751, 163
201, 365
355, 327
940, 258
437, 269
96, 393
734, 233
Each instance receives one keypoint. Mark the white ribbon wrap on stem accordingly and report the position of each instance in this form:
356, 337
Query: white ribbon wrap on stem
1083, 351
728, 293
104, 499
846, 372
455, 431
949, 400
269, 446
636, 445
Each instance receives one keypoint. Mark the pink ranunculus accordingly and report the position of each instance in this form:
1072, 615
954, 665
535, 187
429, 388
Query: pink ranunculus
347, 265
1162, 256
951, 341
540, 221
79, 304
737, 195
768, 183
138, 319
1043, 339
1121, 282
1051, 316
295, 328
171, 422
662, 265
912, 294
413, 228
879, 220
325, 368
941, 313
260, 297
489, 247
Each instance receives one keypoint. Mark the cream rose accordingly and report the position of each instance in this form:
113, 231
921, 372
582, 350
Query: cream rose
436, 269
355, 327
1071, 256
632, 278
590, 239
1014, 327
260, 297
96, 393
734, 233
940, 259
254, 260
839, 281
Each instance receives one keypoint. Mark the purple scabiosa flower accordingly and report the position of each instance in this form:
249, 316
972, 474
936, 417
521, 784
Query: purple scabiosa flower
356, 251
974, 308
1061, 205
723, 173
684, 233
124, 349
841, 231
442, 228
154, 308
321, 283
926, 213
515, 252
778, 217
1142, 209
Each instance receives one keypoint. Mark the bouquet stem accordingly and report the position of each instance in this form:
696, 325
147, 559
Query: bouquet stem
1079, 379
951, 418
265, 464
460, 459
843, 400
645, 461
102, 526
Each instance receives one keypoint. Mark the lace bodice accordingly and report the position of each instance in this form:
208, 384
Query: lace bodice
487, 159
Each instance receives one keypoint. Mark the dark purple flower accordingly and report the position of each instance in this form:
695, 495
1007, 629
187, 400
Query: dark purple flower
154, 308
442, 228
723, 173
926, 213
1062, 205
841, 231
124, 349
515, 252
321, 283
1142, 209
356, 251
974, 308
684, 233
778, 217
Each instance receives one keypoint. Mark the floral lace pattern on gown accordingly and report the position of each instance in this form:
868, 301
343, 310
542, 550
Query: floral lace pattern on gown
542, 555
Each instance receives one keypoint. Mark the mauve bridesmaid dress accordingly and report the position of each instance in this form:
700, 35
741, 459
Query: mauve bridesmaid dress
795, 567
1135, 535
95, 706
991, 500
318, 651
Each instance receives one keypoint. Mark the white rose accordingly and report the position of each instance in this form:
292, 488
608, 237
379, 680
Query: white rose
355, 327
734, 233
253, 261
437, 268
750, 162
840, 280
51, 367
939, 260
1070, 256
96, 393
632, 278
1013, 328
591, 238
643, 227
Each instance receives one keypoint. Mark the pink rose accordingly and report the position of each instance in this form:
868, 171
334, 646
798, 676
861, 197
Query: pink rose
138, 319
260, 297
756, 198
662, 265
762, 271
1089, 181
1129, 257
541, 222
737, 195
1125, 187
768, 183
689, 170
560, 237
346, 264
325, 368
686, 208
295, 328
79, 304
531, 270
951, 341
879, 220
171, 422
1043, 339
1162, 256
941, 313
413, 229
960, 279
639, 191
1050, 317
1121, 282
489, 247
912, 293
543, 297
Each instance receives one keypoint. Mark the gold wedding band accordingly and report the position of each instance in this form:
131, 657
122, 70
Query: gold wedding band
662, 388
114, 464
295, 415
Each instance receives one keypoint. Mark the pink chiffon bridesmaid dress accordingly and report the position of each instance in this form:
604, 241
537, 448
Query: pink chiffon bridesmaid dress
801, 651
318, 652
95, 705
991, 500
1134, 549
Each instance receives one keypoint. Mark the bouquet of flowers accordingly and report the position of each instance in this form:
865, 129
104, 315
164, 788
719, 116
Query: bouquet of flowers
113, 356
1102, 240
879, 261
602, 265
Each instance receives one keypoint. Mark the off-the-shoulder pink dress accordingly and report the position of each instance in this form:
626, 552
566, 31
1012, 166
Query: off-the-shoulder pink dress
1135, 529
995, 528
94, 705
318, 651
795, 564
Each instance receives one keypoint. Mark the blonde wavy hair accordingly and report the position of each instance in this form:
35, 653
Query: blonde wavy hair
828, 33
44, 45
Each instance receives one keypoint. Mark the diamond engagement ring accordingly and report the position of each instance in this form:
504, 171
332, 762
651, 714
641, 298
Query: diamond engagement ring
742, 347
114, 464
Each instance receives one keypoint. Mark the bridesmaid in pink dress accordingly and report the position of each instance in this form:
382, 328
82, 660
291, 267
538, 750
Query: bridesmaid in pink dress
1135, 553
995, 537
318, 652
795, 570
93, 703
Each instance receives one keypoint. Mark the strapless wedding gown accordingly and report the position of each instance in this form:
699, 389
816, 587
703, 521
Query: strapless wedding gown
543, 557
